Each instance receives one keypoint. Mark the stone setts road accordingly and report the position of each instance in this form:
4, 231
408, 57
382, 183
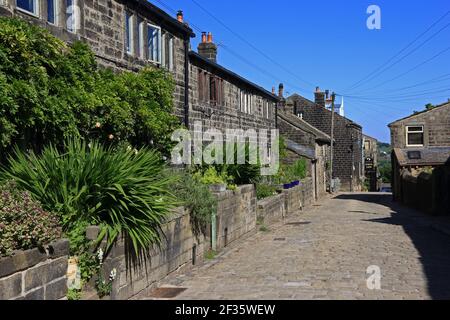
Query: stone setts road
324, 253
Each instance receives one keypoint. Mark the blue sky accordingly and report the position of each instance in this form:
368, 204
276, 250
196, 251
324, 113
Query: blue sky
327, 44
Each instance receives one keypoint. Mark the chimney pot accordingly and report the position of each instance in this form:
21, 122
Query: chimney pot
317, 89
207, 48
273, 90
180, 16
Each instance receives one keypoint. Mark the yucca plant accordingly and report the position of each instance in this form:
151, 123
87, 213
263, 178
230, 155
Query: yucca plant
122, 190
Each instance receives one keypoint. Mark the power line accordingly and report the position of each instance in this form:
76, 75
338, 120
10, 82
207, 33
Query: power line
399, 53
442, 78
238, 56
250, 44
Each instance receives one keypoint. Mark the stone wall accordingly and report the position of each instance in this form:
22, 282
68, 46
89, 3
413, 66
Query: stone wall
427, 192
272, 209
236, 215
35, 274
181, 248
276, 208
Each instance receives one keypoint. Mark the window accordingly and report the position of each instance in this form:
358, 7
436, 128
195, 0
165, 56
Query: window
31, 6
246, 101
129, 33
71, 15
52, 11
414, 136
141, 37
367, 145
167, 51
154, 43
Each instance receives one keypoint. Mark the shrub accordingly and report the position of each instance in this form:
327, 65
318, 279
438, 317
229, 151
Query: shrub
23, 223
198, 199
299, 168
265, 191
50, 91
119, 189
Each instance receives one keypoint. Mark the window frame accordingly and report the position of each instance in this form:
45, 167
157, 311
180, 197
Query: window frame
147, 47
55, 12
411, 132
129, 33
167, 48
72, 28
36, 7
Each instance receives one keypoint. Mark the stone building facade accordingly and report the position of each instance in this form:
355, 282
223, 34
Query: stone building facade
129, 35
124, 35
305, 141
430, 128
348, 158
221, 99
371, 162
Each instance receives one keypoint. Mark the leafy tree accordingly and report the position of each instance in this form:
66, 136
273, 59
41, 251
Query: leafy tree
50, 91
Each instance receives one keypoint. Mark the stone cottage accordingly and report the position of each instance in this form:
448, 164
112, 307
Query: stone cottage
421, 144
348, 158
305, 141
128, 35
222, 99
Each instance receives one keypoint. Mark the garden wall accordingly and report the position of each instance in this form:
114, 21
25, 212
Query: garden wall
275, 208
236, 214
427, 192
181, 248
272, 209
35, 274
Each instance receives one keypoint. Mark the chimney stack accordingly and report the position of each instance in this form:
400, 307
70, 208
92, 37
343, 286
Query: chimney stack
319, 97
280, 90
180, 17
273, 90
207, 48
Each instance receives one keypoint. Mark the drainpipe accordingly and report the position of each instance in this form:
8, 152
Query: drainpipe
186, 82
213, 231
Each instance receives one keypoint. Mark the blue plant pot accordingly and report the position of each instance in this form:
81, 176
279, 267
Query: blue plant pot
286, 186
296, 183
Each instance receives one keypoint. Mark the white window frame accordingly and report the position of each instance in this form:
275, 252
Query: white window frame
141, 36
73, 27
55, 12
129, 32
167, 64
35, 12
408, 132
159, 44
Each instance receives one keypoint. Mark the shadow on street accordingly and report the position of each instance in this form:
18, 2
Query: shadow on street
433, 246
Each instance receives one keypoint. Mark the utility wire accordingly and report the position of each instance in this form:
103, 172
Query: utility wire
287, 70
399, 53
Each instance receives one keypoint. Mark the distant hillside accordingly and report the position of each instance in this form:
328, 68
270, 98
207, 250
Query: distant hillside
384, 161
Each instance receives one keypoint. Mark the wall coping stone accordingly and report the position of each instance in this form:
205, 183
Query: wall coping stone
25, 259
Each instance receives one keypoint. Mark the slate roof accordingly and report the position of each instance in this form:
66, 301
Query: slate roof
432, 156
305, 126
303, 151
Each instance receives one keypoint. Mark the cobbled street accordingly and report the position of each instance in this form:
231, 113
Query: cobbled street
324, 253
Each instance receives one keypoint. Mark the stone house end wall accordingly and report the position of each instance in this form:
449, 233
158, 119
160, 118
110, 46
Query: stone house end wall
347, 165
436, 124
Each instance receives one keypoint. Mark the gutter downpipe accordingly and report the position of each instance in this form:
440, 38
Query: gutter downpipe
186, 82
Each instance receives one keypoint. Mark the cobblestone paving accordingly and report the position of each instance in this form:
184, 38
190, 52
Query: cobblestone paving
328, 258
